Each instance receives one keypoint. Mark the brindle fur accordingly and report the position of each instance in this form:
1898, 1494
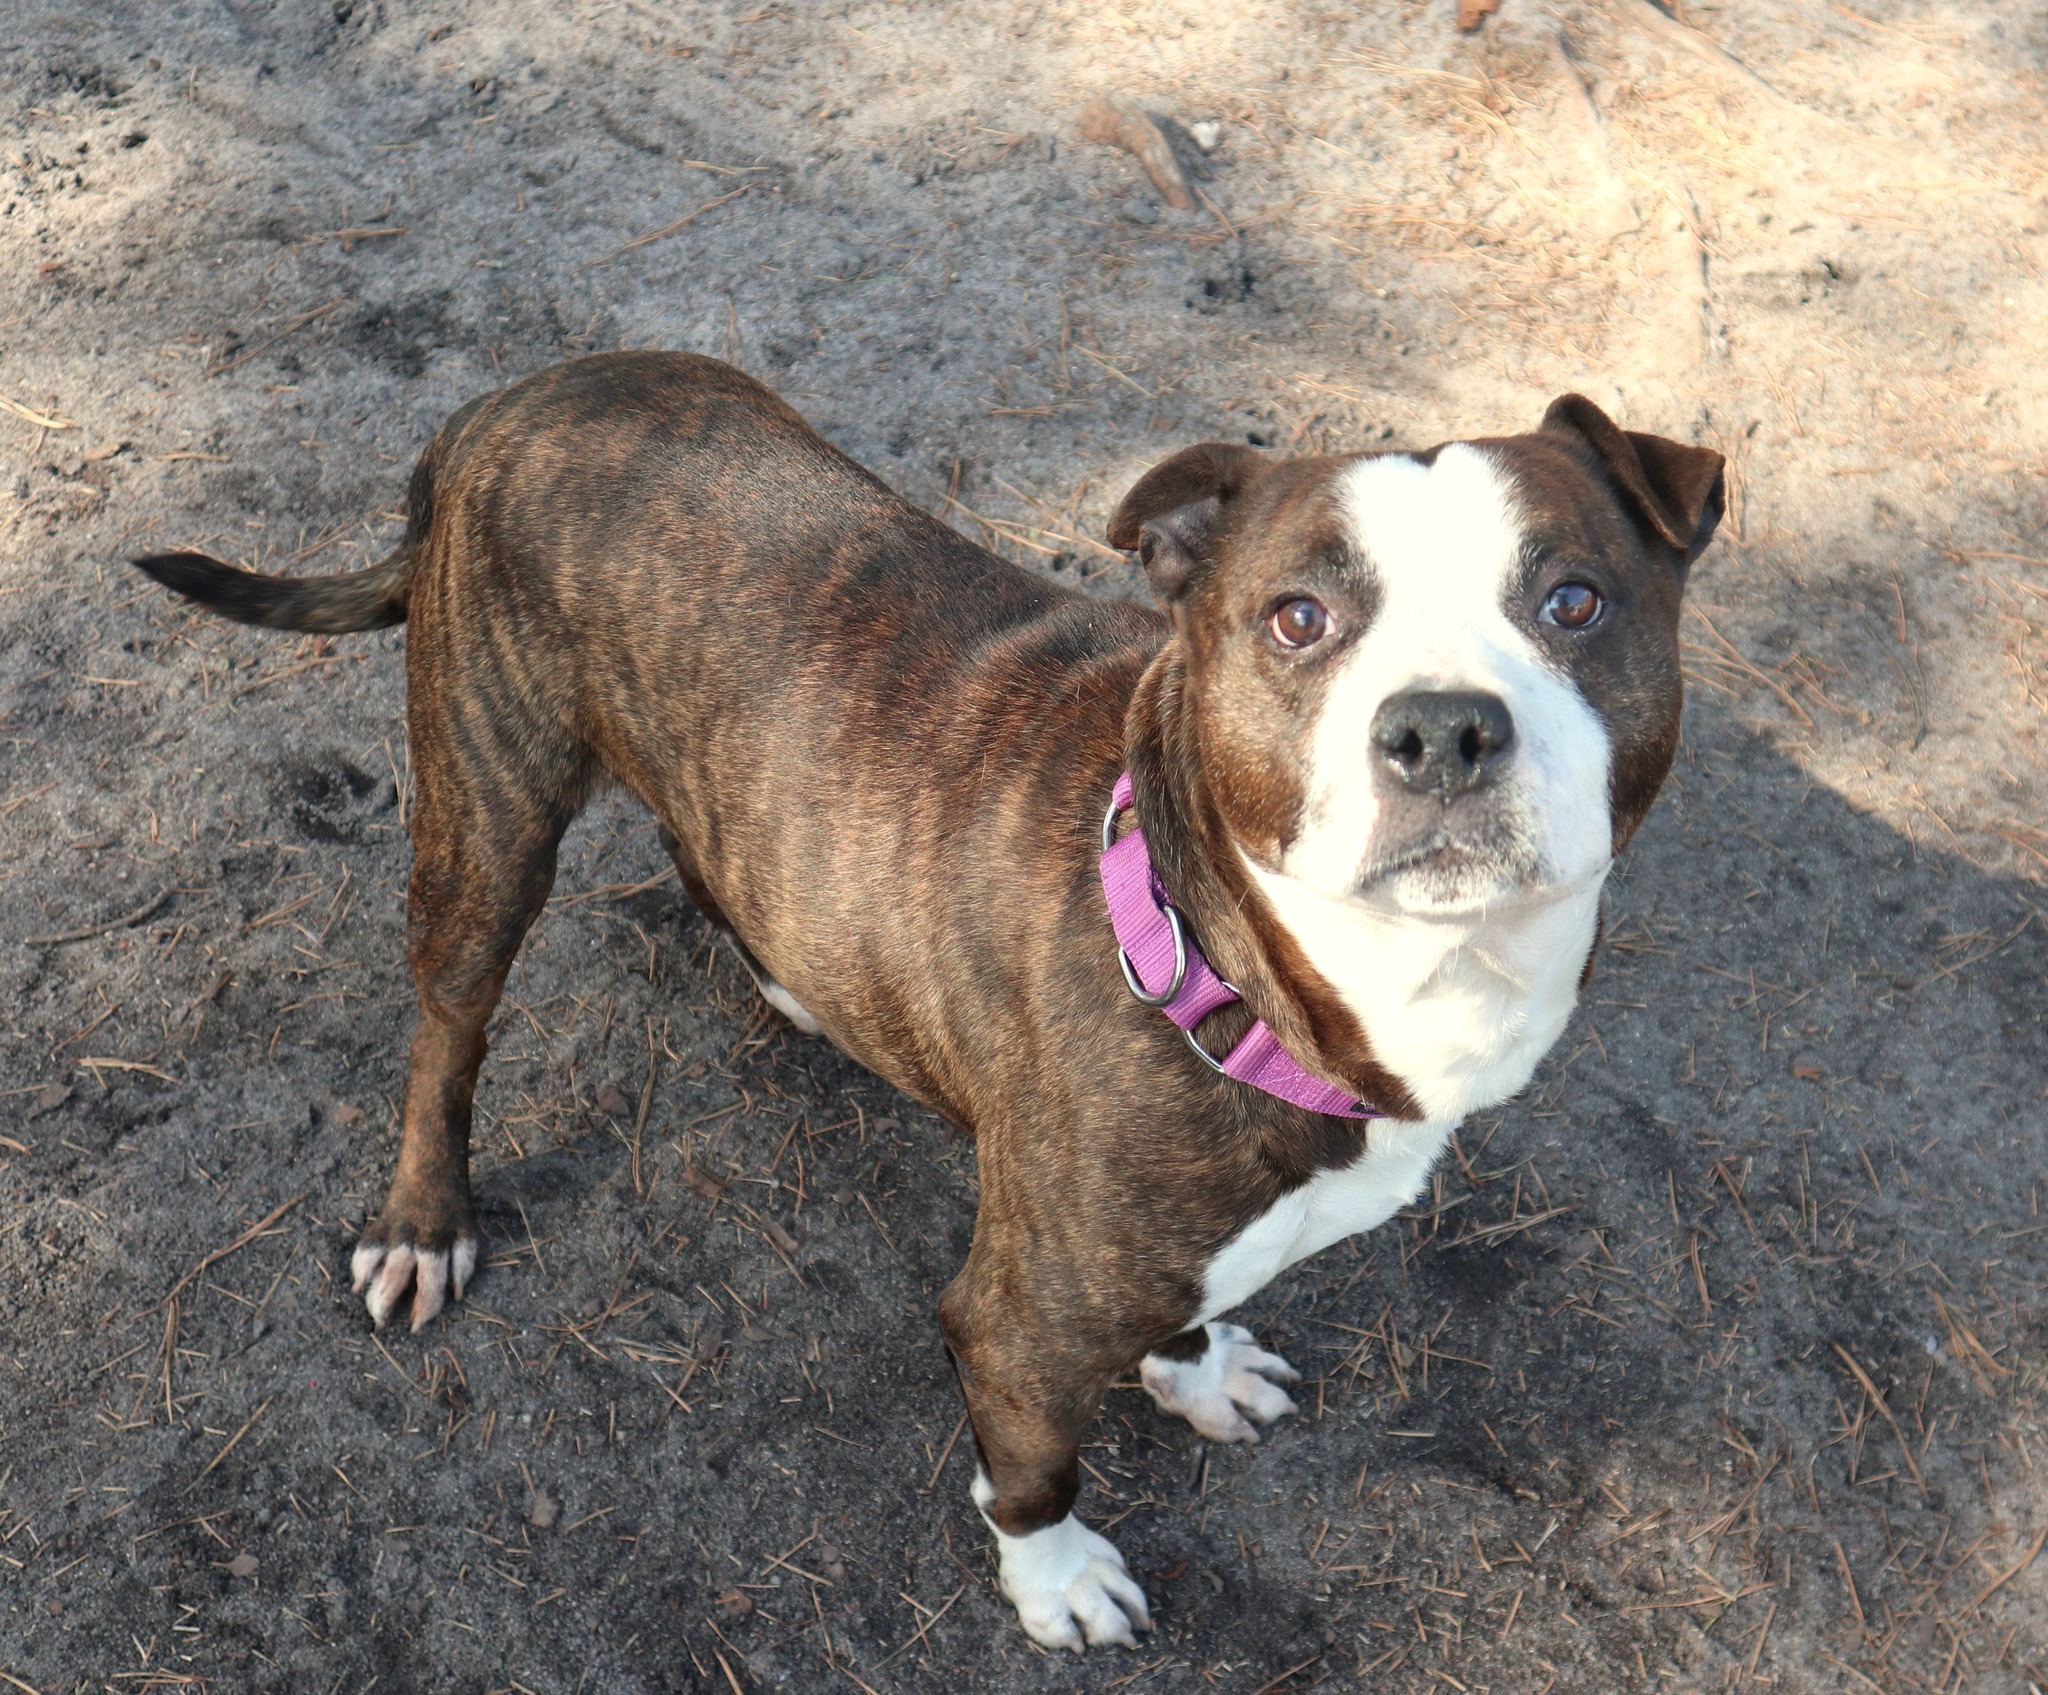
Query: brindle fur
646, 569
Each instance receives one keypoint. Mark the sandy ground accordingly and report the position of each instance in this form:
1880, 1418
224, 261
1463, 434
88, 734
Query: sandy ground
1715, 1361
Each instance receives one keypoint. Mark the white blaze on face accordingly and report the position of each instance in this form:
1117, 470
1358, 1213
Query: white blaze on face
1444, 541
1460, 990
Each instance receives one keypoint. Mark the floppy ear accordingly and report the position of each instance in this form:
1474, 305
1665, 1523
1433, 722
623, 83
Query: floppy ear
1678, 489
1173, 512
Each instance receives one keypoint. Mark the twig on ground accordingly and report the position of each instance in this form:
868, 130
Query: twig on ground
42, 423
945, 1454
247, 1426
681, 223
1870, 1389
85, 932
2012, 1571
268, 342
240, 1242
646, 1101
615, 891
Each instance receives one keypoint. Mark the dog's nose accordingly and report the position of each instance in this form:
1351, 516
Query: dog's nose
1443, 742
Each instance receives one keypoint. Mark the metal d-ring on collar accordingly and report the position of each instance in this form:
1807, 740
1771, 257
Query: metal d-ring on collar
1203, 1054
1139, 993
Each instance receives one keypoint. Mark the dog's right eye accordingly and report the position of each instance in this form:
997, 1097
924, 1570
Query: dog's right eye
1300, 622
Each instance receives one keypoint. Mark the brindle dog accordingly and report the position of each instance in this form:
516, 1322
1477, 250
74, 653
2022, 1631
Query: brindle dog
880, 758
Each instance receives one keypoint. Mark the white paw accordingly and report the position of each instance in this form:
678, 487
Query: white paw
1233, 1386
382, 1274
1070, 1586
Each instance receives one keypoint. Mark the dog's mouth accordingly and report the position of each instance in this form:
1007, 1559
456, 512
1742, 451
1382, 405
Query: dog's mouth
1452, 869
1473, 858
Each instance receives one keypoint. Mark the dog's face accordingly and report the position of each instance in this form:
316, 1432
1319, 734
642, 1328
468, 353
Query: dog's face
1432, 682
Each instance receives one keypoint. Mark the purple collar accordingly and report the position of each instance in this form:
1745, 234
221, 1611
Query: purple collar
1155, 947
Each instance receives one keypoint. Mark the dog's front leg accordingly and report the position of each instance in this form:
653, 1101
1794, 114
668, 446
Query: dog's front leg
1031, 1393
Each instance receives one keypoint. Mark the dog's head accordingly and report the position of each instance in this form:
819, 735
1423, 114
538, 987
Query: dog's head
1431, 681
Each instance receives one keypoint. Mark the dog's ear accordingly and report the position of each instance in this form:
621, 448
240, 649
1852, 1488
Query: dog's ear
1678, 489
1173, 512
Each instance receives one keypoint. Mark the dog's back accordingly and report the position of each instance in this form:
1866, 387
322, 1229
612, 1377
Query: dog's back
646, 568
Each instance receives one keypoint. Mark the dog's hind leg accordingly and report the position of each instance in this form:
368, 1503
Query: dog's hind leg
497, 787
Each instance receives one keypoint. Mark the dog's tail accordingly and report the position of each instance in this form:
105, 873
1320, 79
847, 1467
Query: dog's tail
329, 606
357, 600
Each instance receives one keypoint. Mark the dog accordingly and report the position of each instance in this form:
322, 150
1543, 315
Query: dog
1209, 922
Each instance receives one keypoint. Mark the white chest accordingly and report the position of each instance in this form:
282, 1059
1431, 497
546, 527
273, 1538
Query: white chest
1461, 1010
1331, 1206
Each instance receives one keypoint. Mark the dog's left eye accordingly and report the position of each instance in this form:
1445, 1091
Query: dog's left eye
1300, 622
1572, 606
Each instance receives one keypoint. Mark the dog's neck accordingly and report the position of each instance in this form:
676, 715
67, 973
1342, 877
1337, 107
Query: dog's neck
1235, 924
1462, 1009
1428, 1018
